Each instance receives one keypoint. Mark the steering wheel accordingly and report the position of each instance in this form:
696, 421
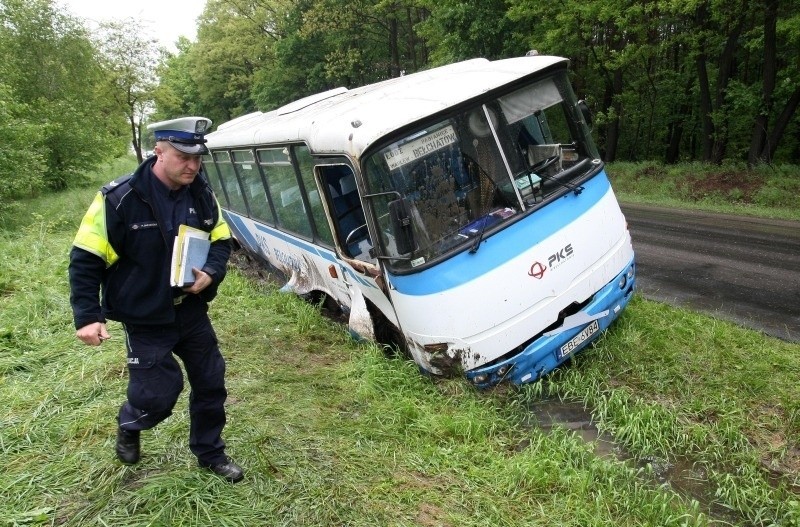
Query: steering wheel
352, 233
544, 163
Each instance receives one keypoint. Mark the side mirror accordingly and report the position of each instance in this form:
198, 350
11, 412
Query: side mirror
586, 112
400, 222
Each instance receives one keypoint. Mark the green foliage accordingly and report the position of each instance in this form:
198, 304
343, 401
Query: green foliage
52, 96
670, 81
60, 209
267, 54
177, 93
457, 30
21, 163
730, 187
214, 77
298, 62
781, 189
365, 41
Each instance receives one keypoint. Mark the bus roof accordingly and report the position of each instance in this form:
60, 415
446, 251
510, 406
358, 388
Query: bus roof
350, 121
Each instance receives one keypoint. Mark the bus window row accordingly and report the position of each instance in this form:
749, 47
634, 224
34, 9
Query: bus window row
276, 187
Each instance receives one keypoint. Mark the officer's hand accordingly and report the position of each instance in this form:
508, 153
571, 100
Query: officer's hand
201, 281
93, 334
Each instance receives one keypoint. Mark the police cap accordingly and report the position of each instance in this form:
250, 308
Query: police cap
186, 134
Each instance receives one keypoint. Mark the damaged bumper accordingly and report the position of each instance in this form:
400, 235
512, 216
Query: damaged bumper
545, 353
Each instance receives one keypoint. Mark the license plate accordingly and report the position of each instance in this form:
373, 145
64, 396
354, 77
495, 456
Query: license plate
578, 339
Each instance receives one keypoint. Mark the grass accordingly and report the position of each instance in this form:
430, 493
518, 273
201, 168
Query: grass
333, 432
766, 191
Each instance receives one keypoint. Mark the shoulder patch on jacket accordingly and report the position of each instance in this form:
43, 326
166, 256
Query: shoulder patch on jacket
108, 187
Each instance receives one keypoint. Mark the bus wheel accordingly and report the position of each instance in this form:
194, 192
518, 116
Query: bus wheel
387, 334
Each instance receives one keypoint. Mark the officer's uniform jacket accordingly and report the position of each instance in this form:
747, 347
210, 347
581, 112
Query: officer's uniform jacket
122, 246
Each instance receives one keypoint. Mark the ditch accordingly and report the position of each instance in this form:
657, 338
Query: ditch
679, 474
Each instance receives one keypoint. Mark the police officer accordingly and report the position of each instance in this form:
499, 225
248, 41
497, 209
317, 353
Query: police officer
120, 270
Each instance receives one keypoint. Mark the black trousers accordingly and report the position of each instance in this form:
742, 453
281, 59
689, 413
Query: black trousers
156, 380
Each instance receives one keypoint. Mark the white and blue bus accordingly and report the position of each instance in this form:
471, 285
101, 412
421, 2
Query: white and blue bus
462, 212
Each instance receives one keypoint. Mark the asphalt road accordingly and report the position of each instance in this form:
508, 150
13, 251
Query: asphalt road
737, 268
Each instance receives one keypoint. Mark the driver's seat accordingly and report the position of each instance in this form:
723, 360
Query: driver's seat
350, 215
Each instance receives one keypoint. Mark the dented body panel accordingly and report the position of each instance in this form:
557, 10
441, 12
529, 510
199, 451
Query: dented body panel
306, 269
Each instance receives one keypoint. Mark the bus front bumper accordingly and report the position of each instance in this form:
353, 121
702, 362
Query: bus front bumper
545, 353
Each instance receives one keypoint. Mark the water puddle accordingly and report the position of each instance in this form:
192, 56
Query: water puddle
680, 474
554, 413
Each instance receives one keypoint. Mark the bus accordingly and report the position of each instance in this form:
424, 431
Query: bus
462, 212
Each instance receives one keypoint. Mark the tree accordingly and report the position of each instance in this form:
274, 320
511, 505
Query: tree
176, 93
297, 67
129, 61
52, 80
765, 138
599, 39
366, 41
21, 161
457, 30
699, 79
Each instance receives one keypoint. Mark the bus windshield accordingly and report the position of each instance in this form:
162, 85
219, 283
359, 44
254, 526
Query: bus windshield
447, 185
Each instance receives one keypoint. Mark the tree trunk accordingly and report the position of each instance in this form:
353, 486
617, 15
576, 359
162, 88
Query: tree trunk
136, 135
393, 48
612, 132
758, 142
676, 127
714, 141
727, 70
783, 120
706, 141
705, 107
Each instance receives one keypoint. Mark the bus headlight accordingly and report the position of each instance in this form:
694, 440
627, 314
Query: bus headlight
480, 378
627, 277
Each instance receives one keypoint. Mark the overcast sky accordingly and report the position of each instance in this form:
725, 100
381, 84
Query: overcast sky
166, 20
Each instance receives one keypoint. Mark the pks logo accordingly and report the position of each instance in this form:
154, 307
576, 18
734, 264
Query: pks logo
538, 269
556, 259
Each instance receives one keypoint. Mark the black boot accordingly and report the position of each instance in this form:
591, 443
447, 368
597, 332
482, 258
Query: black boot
128, 446
227, 469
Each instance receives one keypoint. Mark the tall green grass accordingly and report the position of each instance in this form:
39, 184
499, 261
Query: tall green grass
766, 191
667, 382
334, 432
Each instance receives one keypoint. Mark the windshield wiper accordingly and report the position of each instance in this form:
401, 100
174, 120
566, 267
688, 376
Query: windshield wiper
577, 189
479, 238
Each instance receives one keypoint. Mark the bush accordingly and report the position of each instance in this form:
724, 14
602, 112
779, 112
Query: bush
21, 161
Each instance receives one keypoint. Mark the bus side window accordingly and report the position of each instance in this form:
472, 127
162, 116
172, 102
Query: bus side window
210, 170
253, 186
230, 182
306, 165
284, 188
